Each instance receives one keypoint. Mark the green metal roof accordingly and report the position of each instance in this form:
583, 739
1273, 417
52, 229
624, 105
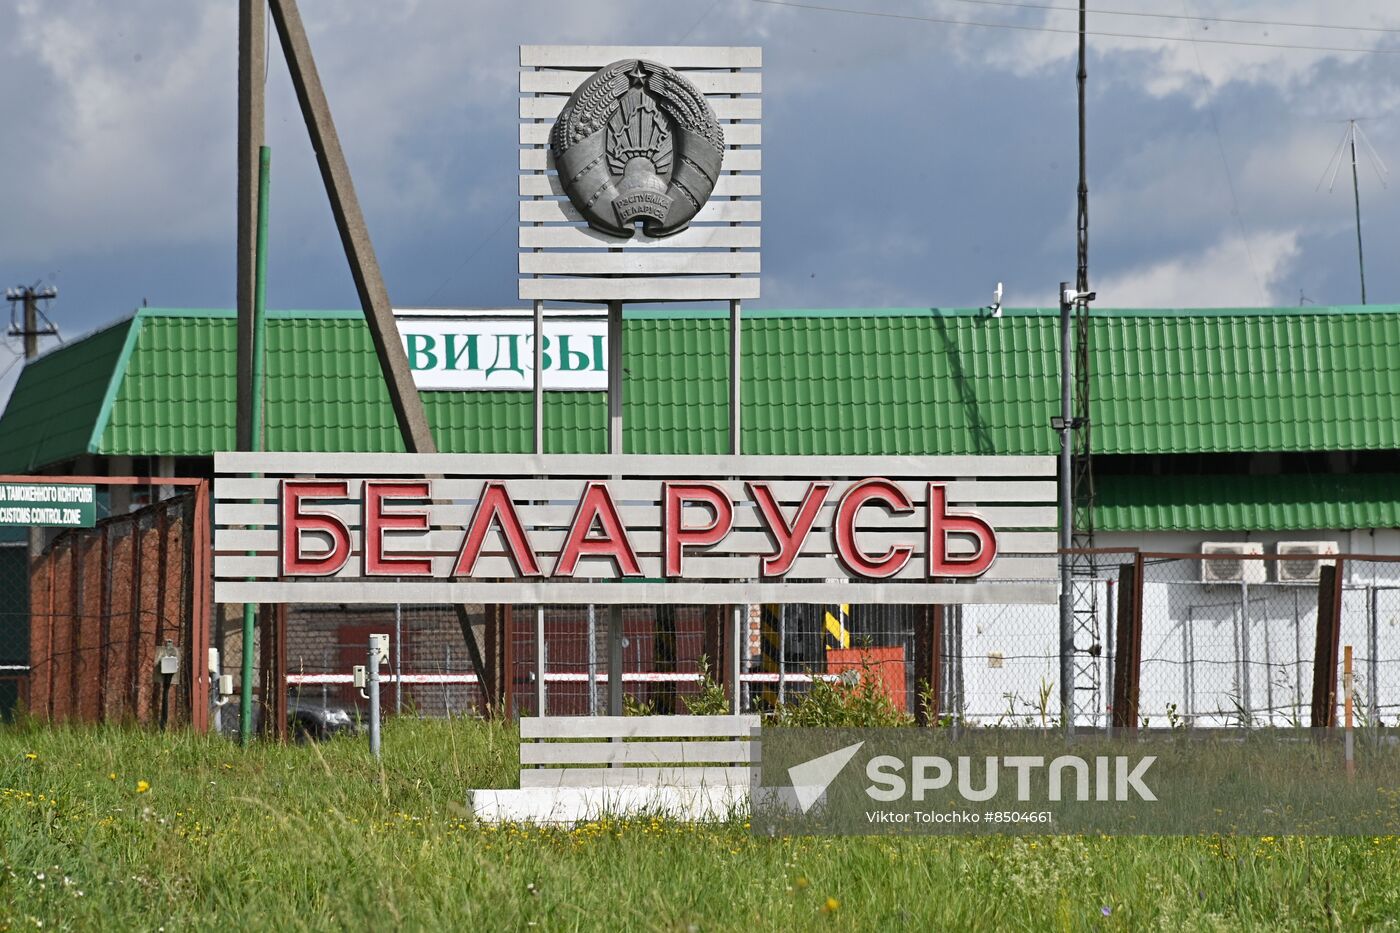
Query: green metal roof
904, 381
61, 401
818, 382
1290, 502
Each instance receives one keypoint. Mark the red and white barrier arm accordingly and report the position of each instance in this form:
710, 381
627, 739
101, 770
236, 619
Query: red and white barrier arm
557, 677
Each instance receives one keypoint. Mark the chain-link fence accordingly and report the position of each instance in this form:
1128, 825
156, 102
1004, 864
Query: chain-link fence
1231, 640
1221, 640
14, 620
1218, 641
1222, 644
1370, 622
1000, 664
429, 671
662, 648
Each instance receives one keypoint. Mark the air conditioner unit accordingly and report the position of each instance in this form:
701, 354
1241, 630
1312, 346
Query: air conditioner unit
1220, 562
1302, 571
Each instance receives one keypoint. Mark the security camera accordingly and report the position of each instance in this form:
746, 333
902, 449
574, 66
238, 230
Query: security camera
996, 301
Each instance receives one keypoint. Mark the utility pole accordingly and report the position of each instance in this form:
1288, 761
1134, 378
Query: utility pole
1064, 426
30, 296
409, 413
251, 217
29, 330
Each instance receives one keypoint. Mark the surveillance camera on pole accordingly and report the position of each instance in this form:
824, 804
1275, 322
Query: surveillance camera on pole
996, 301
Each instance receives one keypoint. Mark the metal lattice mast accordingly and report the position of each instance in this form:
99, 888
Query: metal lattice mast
1087, 638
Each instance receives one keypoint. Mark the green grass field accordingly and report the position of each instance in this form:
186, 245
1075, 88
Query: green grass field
117, 829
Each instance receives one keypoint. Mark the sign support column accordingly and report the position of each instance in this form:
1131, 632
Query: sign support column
540, 658
736, 636
615, 447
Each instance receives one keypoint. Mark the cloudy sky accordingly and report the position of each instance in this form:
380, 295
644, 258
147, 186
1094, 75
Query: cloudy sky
911, 159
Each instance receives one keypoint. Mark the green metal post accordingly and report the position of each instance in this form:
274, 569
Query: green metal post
245, 707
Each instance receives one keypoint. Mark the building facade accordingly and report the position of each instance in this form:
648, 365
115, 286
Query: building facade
1250, 428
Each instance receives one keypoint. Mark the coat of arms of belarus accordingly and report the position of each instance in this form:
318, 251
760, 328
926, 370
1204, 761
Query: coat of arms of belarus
637, 144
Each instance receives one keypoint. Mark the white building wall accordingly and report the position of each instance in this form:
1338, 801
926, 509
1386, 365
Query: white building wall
1215, 654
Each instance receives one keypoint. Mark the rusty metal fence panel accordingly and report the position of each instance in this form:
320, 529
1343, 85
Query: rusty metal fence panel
14, 625
103, 600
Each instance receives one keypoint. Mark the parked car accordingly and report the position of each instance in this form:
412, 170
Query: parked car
307, 719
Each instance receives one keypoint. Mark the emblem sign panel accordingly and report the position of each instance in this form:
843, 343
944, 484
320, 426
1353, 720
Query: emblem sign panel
637, 144
640, 173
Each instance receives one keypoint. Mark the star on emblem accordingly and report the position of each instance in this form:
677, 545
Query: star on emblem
637, 74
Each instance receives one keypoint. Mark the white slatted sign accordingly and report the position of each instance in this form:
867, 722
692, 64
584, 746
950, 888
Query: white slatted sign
633, 529
683, 750
716, 258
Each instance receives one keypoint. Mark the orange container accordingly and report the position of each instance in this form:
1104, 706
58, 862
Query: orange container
885, 664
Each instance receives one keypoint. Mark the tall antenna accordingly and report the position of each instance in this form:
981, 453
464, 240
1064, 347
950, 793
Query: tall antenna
1334, 165
1087, 638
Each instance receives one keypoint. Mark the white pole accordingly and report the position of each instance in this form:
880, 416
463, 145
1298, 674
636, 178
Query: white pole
782, 654
1111, 588
374, 695
398, 659
592, 660
1066, 519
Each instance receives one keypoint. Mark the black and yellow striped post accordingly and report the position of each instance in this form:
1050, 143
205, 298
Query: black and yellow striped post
770, 648
838, 627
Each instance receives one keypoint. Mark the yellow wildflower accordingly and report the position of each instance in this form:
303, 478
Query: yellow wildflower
831, 906
142, 786
31, 756
111, 775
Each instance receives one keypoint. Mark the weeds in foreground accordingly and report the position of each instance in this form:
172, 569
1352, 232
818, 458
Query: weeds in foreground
106, 828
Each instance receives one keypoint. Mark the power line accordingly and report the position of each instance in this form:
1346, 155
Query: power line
515, 206
1204, 19
472, 254
1023, 27
6, 371
1225, 163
